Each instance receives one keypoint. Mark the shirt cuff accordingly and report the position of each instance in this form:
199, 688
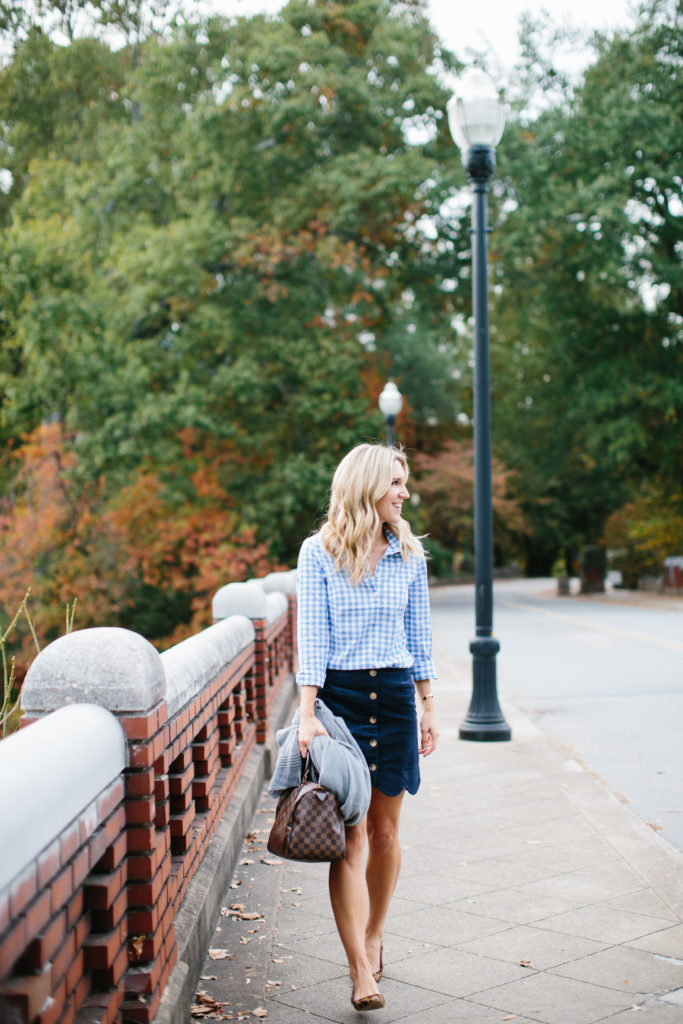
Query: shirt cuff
306, 679
423, 670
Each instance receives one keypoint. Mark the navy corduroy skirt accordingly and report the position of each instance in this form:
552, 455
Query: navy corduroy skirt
378, 706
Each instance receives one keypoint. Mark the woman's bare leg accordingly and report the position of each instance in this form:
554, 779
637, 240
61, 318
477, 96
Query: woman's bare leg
350, 905
384, 864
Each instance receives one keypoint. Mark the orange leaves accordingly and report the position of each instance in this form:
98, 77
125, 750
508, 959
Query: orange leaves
152, 543
191, 544
447, 485
38, 491
53, 541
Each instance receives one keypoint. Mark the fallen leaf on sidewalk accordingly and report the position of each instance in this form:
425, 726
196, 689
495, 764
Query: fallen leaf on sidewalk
525, 963
237, 910
513, 1016
270, 861
205, 1006
259, 1012
655, 828
207, 977
220, 954
247, 860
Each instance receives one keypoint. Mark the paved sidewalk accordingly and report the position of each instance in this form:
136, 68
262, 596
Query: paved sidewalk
528, 893
659, 600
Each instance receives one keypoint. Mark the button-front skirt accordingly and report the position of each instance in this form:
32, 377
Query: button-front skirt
378, 706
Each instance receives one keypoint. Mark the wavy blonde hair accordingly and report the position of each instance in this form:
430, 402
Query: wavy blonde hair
362, 477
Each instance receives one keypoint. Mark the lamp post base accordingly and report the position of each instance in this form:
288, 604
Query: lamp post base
484, 721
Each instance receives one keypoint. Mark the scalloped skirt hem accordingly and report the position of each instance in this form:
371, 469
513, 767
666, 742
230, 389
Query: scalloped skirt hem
378, 706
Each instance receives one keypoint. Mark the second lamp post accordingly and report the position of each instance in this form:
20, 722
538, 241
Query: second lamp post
476, 121
390, 404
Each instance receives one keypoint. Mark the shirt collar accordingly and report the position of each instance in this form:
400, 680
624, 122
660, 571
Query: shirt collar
393, 541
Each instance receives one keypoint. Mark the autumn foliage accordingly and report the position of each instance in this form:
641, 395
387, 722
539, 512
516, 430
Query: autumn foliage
641, 534
446, 483
220, 240
149, 557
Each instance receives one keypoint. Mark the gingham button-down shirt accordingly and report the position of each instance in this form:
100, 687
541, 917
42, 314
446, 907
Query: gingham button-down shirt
384, 622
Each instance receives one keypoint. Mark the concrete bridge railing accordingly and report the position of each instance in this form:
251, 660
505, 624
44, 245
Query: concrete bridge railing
123, 803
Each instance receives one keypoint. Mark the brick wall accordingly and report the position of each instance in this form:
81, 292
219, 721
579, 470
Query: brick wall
62, 917
87, 924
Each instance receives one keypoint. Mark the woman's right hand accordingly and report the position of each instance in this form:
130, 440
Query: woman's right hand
309, 726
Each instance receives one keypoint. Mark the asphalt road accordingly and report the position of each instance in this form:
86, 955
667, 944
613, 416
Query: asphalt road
602, 677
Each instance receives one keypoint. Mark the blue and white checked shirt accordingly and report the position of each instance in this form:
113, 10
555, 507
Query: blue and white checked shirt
384, 622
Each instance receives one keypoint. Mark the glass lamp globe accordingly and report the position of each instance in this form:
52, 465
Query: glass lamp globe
390, 400
476, 116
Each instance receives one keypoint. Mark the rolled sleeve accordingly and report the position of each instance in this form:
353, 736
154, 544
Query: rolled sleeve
418, 625
313, 618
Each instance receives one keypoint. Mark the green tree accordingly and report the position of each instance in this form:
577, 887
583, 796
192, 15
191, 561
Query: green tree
587, 346
12, 16
54, 101
234, 244
643, 533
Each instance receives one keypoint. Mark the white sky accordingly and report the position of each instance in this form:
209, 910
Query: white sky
489, 26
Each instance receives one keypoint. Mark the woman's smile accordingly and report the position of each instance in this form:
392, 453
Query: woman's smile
390, 505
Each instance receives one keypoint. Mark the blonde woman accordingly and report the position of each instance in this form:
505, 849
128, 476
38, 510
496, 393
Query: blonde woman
364, 633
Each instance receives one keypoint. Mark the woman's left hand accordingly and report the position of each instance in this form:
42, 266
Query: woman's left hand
429, 734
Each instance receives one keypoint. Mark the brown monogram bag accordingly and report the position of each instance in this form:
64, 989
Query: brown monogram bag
308, 823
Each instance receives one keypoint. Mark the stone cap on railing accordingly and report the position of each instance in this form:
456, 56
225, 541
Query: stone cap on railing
47, 760
250, 599
276, 605
239, 599
194, 662
285, 582
113, 667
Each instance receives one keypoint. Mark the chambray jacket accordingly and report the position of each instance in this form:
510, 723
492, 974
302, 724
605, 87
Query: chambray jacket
384, 622
338, 761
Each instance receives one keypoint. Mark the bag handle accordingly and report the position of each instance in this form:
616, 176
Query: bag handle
307, 769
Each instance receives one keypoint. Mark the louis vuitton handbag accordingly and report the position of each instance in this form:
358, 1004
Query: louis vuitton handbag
308, 822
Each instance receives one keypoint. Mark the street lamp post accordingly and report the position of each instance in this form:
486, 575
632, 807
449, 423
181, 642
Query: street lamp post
476, 120
390, 403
